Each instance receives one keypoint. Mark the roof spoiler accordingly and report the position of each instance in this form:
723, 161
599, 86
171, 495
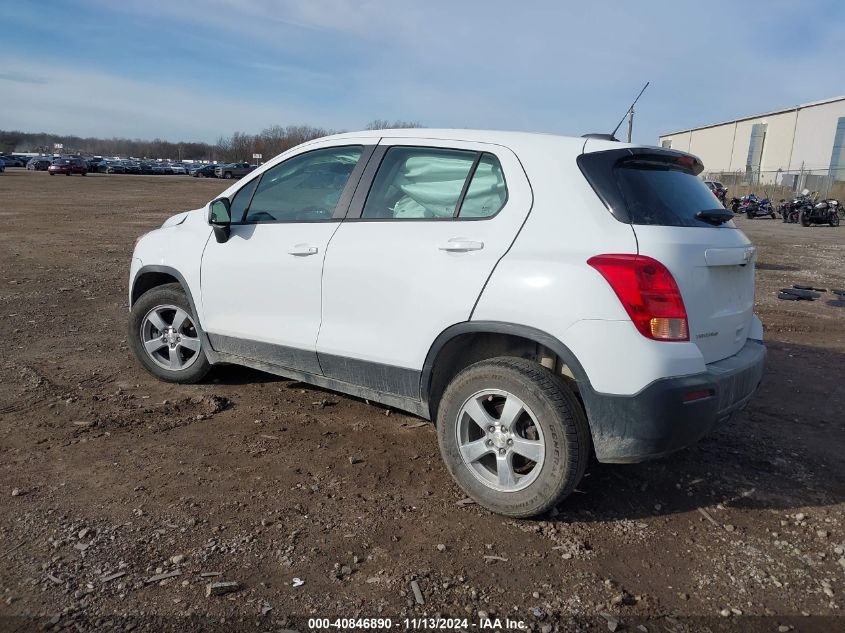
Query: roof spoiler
601, 137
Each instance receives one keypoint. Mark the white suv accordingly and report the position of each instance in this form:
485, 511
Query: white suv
538, 297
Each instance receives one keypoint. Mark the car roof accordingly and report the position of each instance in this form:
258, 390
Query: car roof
513, 140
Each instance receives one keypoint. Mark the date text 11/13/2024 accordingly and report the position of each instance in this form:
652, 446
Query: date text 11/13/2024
416, 624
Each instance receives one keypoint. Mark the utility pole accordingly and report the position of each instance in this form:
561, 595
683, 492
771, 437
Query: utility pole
630, 114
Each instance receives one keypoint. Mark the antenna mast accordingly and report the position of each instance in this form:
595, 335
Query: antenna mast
630, 114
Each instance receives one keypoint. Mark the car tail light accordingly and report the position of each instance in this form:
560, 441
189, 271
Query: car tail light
649, 294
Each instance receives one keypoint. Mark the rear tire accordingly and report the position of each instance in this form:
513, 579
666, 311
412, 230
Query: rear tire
549, 425
749, 215
834, 219
804, 219
227, 175
155, 306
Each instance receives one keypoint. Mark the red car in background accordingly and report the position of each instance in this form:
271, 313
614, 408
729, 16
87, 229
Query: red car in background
68, 166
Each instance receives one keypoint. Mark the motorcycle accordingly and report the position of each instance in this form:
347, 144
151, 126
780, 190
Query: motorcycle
735, 205
753, 207
836, 206
820, 213
791, 211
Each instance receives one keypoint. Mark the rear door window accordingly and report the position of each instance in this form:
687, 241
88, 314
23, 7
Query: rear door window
487, 192
418, 183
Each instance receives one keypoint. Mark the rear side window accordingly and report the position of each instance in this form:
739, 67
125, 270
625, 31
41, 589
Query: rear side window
416, 183
655, 188
486, 193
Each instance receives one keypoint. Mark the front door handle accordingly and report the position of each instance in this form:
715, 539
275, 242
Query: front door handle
303, 250
461, 245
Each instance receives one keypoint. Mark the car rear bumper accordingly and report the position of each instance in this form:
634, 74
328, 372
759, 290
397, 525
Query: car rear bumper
657, 420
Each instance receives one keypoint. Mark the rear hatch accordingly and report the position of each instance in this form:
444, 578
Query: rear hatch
678, 221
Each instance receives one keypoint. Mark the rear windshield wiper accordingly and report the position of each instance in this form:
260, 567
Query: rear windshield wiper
714, 216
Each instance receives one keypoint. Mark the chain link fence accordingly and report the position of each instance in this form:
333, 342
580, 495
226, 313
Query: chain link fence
828, 183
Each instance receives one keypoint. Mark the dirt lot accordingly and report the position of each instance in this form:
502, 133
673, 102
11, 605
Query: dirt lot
108, 471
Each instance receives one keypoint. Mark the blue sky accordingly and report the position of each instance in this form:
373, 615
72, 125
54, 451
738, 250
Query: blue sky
183, 70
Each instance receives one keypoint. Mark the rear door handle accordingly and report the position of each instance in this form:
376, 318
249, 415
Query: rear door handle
303, 250
461, 245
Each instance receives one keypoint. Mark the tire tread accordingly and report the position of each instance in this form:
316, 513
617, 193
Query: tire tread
572, 424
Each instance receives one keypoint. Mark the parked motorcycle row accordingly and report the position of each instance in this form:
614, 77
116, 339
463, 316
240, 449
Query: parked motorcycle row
753, 207
805, 209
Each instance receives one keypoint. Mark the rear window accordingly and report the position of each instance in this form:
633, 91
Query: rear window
655, 188
664, 196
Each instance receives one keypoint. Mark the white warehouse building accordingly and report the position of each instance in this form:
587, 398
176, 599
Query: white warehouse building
797, 147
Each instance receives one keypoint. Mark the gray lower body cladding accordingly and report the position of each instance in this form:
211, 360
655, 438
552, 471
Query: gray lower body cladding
658, 420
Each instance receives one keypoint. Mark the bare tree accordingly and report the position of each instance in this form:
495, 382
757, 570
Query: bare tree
384, 124
240, 146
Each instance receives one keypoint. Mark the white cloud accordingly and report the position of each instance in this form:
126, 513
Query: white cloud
568, 67
67, 99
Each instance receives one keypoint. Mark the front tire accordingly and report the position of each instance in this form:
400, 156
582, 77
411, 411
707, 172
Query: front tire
513, 436
164, 336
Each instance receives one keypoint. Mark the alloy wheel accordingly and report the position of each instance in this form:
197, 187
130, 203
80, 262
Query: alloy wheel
170, 337
500, 440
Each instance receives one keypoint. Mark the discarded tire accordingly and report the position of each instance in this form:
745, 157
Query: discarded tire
808, 295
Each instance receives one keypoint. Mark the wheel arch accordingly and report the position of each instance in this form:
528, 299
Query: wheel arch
465, 343
152, 276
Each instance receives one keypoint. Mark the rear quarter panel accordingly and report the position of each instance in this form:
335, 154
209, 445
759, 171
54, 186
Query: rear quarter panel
544, 280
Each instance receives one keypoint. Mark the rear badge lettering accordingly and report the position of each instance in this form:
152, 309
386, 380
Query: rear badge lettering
706, 335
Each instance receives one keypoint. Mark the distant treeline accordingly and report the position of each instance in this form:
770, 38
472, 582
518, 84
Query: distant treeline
238, 146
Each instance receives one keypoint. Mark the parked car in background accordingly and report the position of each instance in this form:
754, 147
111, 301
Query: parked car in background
94, 163
233, 170
206, 171
13, 161
178, 168
719, 190
68, 166
161, 169
2, 165
130, 167
534, 334
111, 167
146, 167
39, 163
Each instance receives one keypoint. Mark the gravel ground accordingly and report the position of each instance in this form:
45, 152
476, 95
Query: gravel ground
122, 498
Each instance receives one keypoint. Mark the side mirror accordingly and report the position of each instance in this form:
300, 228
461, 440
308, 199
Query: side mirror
220, 219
